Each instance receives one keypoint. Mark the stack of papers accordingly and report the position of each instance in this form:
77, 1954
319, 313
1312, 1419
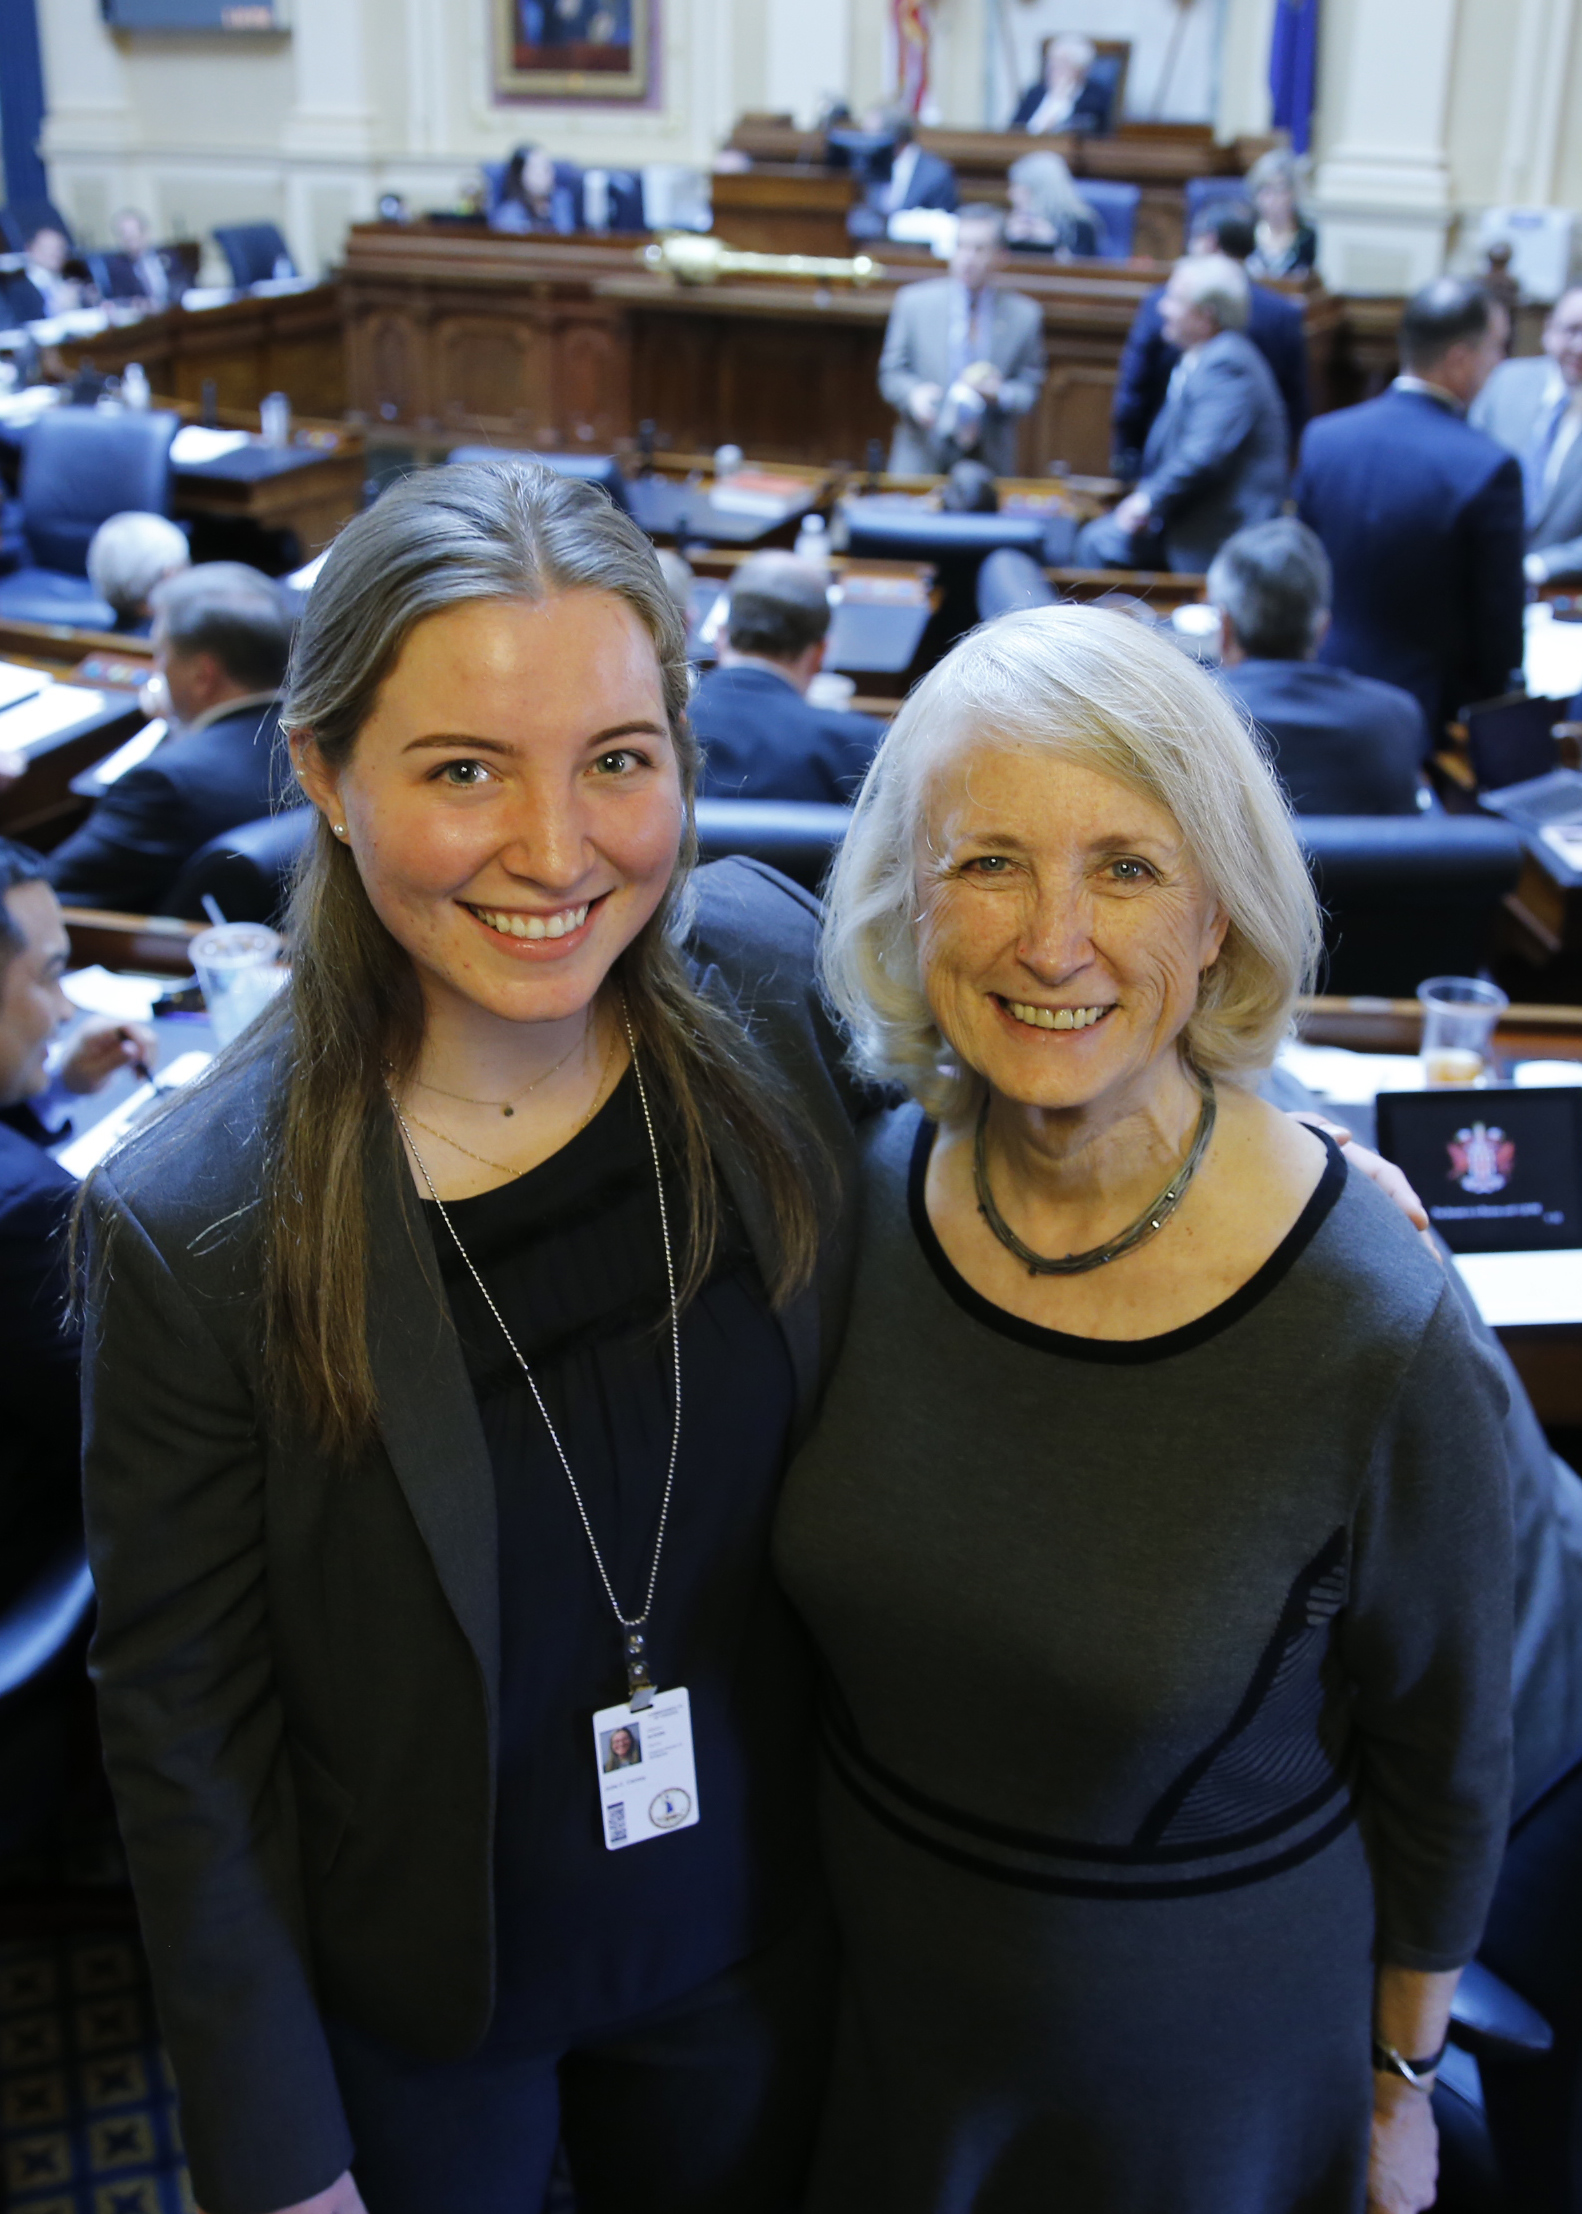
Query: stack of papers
17, 683
18, 409
35, 723
102, 991
1552, 662
84, 1154
1351, 1079
193, 445
1564, 840
1524, 1291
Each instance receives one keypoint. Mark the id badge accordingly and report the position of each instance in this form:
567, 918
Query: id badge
648, 1785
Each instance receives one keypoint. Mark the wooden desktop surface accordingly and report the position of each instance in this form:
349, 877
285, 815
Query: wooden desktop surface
288, 343
40, 808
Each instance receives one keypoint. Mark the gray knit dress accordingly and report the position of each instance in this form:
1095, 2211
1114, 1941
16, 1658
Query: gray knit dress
1168, 1691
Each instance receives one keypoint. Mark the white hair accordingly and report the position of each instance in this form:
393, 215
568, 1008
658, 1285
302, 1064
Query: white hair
1048, 183
1078, 50
1218, 284
1277, 166
131, 553
1095, 688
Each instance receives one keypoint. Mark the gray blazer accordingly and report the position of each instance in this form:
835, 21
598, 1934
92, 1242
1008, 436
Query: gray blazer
298, 1661
1216, 457
1509, 409
917, 351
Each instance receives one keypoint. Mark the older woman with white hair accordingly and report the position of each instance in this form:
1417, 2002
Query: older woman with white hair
1287, 246
1047, 213
1155, 1534
128, 555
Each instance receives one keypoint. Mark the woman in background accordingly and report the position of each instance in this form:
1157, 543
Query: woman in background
1048, 214
1287, 245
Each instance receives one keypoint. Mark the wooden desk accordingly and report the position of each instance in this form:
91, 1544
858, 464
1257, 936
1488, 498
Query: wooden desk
567, 343
1548, 1360
40, 808
783, 209
291, 343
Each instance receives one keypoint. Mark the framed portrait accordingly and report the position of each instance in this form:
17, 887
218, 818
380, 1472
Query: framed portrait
573, 49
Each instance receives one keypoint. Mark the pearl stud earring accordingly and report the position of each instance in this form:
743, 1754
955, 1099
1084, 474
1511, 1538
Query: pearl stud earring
339, 829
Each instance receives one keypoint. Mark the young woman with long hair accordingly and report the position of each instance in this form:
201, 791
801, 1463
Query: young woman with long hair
444, 1349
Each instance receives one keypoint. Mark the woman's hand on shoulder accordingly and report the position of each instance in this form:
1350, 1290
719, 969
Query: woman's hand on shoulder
1403, 2154
1378, 1171
342, 2197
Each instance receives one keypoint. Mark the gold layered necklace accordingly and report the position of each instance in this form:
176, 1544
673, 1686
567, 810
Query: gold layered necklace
508, 1168
506, 1106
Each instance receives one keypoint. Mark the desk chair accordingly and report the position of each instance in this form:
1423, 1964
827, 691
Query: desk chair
43, 1637
247, 871
1114, 212
255, 251
80, 467
1407, 896
1011, 581
881, 530
1510, 740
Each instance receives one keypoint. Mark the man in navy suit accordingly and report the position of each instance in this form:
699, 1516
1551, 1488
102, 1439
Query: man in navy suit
222, 638
39, 1430
1422, 516
1071, 95
1343, 744
917, 178
762, 737
1274, 324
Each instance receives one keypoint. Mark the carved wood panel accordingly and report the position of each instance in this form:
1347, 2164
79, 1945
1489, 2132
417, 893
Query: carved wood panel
1071, 423
593, 382
494, 376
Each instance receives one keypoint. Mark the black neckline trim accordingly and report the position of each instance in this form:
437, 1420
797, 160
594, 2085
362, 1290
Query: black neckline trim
1121, 1352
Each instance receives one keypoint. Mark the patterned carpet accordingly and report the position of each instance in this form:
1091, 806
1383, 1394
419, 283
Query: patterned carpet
87, 2112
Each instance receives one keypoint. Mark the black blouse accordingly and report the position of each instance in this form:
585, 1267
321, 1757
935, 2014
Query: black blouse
572, 1255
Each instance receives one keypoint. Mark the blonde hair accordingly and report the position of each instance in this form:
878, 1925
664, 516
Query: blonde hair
1097, 689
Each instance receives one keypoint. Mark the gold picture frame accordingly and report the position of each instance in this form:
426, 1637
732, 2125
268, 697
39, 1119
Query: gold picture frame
573, 49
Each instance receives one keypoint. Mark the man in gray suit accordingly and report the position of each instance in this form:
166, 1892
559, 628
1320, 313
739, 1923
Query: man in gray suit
1216, 454
963, 360
1534, 408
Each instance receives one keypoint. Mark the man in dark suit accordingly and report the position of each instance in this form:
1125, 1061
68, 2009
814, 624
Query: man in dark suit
1274, 324
1343, 744
1216, 456
1071, 95
222, 637
963, 359
917, 179
39, 1426
1533, 407
1421, 515
762, 738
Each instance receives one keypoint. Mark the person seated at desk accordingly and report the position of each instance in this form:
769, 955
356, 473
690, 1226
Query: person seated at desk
917, 179
761, 736
1048, 214
537, 193
1343, 744
128, 555
1068, 96
1421, 515
1533, 407
1274, 324
963, 359
222, 639
40, 1431
42, 288
1215, 459
1285, 245
137, 269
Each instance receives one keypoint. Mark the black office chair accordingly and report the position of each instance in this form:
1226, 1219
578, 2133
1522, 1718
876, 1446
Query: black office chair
1512, 739
43, 1637
114, 276
797, 837
601, 469
247, 871
1407, 896
1011, 581
255, 251
885, 530
78, 469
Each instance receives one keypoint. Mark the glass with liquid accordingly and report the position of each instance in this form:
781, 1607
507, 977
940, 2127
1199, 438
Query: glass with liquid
1459, 1016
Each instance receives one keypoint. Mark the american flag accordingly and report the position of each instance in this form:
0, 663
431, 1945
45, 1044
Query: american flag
910, 18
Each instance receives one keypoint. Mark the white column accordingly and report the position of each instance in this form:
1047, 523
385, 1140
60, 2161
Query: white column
1543, 34
329, 140
1383, 191
807, 54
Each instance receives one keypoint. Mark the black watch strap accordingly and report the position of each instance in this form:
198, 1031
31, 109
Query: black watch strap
1388, 2062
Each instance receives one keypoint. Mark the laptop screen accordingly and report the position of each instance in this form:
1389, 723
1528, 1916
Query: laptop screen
1498, 1170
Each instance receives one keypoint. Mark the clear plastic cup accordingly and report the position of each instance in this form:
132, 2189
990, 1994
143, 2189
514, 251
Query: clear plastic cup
274, 419
1459, 1015
239, 970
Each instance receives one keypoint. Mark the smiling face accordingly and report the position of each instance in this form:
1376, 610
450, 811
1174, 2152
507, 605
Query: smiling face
1063, 926
514, 801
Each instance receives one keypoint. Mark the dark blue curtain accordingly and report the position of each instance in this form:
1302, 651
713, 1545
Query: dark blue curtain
21, 100
1293, 67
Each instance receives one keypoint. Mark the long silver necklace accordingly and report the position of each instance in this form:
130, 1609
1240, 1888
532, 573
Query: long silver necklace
633, 1627
1148, 1224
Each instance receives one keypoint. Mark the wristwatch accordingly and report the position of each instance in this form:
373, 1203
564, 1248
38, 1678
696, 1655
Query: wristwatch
1418, 2073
